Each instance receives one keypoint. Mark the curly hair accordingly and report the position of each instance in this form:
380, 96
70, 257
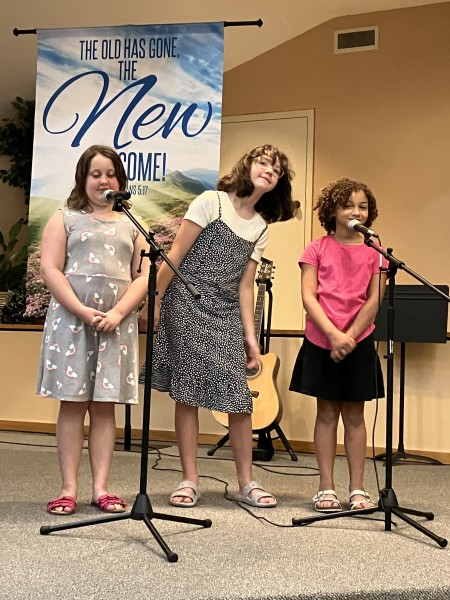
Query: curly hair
78, 198
276, 205
335, 195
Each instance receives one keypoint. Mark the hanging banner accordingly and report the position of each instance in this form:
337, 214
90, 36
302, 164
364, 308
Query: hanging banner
153, 93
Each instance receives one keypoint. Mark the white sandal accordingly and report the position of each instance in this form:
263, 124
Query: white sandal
355, 505
194, 495
321, 497
247, 497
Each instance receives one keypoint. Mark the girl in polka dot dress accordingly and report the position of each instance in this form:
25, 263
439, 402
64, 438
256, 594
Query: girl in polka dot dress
203, 346
89, 260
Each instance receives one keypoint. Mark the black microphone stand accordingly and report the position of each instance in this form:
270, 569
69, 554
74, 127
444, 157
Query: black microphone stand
142, 509
387, 502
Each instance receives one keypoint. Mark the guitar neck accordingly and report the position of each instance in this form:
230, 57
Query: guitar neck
259, 309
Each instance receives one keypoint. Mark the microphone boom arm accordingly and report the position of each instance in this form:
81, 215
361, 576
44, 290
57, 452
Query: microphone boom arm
395, 263
154, 248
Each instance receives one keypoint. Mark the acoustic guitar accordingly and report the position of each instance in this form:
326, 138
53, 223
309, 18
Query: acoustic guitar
267, 408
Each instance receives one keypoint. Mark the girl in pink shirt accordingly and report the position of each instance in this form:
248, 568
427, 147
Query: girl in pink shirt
341, 285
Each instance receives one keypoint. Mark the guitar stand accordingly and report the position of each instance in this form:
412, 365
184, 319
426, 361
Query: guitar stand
264, 449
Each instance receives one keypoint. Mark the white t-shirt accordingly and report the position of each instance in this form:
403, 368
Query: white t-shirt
205, 208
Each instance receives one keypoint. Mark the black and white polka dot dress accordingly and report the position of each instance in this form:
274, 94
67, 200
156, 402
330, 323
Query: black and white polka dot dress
199, 355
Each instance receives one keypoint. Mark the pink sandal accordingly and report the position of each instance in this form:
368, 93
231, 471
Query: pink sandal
62, 502
106, 500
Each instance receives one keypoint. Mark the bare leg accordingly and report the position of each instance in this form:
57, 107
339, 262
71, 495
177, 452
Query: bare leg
355, 441
186, 429
69, 437
240, 425
102, 435
325, 438
241, 442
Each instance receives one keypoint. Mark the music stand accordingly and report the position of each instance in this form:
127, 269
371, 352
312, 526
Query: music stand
142, 509
421, 318
387, 502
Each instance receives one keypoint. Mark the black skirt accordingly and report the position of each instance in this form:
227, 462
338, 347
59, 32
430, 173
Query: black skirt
356, 378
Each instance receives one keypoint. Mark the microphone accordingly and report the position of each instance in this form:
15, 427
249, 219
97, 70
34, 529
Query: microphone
356, 226
110, 196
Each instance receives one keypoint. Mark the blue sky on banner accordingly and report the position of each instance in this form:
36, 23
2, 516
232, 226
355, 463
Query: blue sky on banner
153, 92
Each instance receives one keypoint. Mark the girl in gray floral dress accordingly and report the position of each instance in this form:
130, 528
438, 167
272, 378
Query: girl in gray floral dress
89, 260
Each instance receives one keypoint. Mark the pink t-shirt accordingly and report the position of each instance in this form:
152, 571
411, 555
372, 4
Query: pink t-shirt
344, 272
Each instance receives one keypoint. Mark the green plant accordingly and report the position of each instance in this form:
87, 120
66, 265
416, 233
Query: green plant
13, 261
16, 141
14, 310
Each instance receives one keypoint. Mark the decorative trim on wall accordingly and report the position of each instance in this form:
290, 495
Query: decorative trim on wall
205, 439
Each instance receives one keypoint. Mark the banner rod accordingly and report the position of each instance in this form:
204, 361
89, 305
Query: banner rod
258, 23
17, 32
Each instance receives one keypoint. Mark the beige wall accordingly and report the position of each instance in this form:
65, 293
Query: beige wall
382, 117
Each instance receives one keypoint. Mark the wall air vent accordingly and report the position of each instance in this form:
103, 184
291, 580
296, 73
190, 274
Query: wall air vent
356, 40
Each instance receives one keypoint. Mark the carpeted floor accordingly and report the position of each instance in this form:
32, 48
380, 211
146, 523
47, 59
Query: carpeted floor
251, 555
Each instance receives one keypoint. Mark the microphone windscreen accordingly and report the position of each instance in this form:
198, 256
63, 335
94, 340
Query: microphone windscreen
108, 196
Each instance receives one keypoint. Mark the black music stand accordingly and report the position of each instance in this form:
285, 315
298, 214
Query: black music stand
421, 318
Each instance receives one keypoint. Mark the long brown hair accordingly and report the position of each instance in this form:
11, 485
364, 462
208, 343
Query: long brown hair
276, 205
78, 199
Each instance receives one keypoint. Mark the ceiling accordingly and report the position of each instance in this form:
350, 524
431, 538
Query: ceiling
282, 21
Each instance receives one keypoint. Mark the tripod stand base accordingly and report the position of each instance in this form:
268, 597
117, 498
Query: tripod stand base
264, 450
141, 511
388, 505
413, 459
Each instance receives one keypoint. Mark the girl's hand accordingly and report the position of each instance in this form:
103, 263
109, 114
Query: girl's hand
341, 345
109, 321
253, 354
90, 316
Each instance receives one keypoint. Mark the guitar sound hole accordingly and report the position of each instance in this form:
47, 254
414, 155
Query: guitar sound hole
252, 373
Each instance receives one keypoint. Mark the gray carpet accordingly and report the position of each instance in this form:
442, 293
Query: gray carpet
239, 557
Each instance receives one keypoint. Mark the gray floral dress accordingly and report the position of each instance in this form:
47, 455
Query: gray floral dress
78, 363
199, 355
